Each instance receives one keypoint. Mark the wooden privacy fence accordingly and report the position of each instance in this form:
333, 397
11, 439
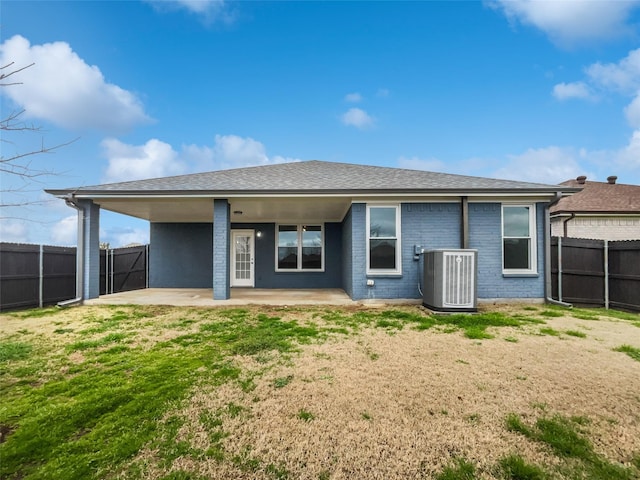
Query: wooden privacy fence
39, 275
596, 273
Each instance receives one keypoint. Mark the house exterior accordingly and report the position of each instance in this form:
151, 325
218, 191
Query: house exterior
320, 224
600, 211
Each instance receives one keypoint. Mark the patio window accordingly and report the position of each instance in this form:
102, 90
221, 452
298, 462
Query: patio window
300, 248
519, 239
383, 240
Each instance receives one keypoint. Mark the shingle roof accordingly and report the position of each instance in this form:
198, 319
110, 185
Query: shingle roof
311, 177
600, 197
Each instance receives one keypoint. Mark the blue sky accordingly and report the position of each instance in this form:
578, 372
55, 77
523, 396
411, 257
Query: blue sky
524, 90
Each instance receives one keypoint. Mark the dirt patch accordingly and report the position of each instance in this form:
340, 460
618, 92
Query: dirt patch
5, 431
405, 405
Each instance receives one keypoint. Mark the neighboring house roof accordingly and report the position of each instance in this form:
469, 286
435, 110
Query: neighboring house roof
312, 177
599, 198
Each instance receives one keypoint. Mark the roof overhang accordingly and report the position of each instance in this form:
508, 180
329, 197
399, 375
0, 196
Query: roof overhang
298, 206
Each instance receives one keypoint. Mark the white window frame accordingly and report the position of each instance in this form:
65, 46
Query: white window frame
384, 271
299, 228
533, 234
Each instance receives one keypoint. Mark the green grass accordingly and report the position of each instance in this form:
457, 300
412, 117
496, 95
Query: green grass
305, 415
89, 420
282, 382
565, 439
575, 333
514, 467
11, 351
475, 326
462, 470
549, 331
633, 352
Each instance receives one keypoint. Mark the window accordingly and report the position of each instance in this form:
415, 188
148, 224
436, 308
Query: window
519, 239
299, 247
383, 239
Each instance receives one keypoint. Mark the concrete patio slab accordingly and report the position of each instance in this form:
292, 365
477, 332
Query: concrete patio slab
239, 296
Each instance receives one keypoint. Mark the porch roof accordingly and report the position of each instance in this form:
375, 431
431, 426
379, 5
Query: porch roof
306, 191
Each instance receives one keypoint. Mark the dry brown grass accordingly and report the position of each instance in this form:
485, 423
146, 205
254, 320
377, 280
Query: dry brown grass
405, 404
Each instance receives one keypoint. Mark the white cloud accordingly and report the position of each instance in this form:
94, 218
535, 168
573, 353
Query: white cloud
565, 91
632, 112
135, 162
358, 118
63, 89
628, 157
65, 231
623, 76
208, 10
13, 231
159, 159
568, 22
416, 163
354, 97
548, 165
232, 150
382, 93
122, 237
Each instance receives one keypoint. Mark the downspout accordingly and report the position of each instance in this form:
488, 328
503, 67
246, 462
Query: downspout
71, 202
464, 222
547, 254
565, 228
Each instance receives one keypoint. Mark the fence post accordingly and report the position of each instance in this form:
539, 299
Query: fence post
41, 277
606, 274
111, 250
560, 269
146, 266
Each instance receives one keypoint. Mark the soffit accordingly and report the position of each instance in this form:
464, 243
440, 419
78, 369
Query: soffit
254, 210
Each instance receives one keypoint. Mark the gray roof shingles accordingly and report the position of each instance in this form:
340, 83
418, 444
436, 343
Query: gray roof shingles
314, 177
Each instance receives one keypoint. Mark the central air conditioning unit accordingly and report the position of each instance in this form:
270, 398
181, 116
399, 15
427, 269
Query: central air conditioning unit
450, 280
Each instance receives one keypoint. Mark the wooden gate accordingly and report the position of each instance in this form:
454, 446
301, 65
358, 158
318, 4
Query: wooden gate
123, 269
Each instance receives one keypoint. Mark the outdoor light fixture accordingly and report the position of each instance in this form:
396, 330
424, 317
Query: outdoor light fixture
258, 234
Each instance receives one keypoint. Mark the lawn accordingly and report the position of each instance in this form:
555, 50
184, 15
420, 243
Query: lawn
154, 392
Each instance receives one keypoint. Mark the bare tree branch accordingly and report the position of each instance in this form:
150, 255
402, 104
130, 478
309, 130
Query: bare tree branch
19, 165
12, 72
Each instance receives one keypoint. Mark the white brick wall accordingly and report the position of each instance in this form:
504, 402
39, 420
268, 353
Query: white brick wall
598, 228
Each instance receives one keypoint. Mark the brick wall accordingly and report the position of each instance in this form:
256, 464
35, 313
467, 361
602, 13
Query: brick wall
435, 226
347, 254
91, 249
221, 243
485, 235
598, 228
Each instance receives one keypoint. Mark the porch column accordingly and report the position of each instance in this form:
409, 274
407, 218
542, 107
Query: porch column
89, 248
221, 249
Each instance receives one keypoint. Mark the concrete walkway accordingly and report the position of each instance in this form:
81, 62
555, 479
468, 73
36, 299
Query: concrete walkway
239, 296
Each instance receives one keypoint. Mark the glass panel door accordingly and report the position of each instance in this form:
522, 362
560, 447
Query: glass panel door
242, 258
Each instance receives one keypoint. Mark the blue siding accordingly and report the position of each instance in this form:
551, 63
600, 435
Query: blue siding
485, 234
347, 254
180, 255
358, 252
265, 260
426, 224
436, 226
